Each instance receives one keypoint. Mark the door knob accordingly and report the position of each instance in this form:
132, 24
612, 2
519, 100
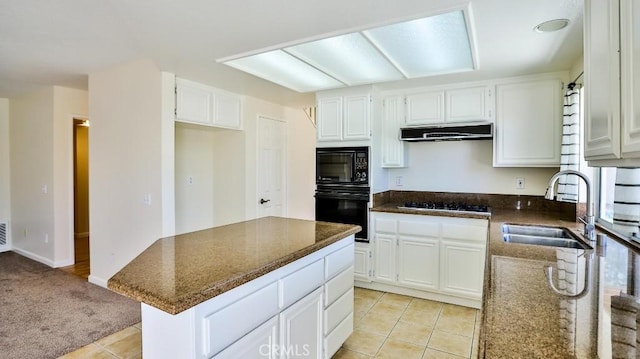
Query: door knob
263, 201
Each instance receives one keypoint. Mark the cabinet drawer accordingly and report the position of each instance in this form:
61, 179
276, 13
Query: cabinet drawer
419, 228
245, 314
338, 336
465, 231
384, 225
337, 261
338, 286
257, 344
300, 283
338, 311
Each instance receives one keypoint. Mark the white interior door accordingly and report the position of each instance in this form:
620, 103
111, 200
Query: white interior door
271, 167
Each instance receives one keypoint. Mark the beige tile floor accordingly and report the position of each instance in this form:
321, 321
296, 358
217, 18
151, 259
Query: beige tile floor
386, 326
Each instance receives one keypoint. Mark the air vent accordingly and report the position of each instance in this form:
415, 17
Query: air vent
3, 234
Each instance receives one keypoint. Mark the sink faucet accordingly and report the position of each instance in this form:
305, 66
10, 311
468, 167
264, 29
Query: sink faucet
589, 220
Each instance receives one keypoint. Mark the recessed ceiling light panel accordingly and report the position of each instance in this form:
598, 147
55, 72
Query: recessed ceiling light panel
427, 46
279, 67
350, 58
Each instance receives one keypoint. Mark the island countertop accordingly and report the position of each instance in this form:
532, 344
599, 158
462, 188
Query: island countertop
178, 272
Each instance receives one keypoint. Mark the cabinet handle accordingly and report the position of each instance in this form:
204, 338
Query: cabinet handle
263, 201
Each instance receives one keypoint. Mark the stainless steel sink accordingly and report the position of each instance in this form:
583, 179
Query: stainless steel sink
541, 235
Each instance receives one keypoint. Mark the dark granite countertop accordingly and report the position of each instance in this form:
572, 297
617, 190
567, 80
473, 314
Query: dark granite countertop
179, 272
523, 318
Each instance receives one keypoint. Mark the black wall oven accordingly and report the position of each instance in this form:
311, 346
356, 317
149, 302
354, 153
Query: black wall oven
342, 187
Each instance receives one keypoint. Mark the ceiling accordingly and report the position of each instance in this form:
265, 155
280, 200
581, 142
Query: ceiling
60, 42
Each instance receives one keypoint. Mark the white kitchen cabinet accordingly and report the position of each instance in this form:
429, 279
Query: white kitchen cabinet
436, 106
602, 82
462, 268
385, 262
468, 104
418, 260
256, 345
630, 63
528, 130
393, 149
425, 108
204, 105
194, 102
443, 256
362, 262
612, 93
301, 328
344, 116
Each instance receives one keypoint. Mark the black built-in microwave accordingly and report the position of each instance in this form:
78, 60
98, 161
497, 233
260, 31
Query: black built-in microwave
342, 166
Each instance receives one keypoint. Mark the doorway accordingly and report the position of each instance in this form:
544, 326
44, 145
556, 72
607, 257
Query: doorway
271, 174
81, 197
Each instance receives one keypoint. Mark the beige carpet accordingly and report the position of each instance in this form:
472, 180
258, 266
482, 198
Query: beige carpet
46, 312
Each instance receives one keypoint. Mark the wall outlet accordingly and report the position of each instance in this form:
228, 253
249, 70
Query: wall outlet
190, 180
45, 189
519, 183
399, 181
46, 238
146, 199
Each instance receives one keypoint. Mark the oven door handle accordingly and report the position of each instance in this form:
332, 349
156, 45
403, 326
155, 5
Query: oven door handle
353, 196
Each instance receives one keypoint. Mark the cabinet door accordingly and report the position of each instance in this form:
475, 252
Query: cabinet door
528, 124
468, 104
385, 263
301, 328
418, 264
193, 102
393, 149
630, 69
329, 119
425, 108
357, 118
461, 268
227, 111
361, 270
258, 344
602, 83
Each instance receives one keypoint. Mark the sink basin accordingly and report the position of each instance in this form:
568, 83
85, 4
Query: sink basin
541, 235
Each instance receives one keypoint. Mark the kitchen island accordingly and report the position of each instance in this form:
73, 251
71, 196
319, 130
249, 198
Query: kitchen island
258, 288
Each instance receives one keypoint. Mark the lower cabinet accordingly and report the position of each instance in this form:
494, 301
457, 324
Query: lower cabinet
301, 328
259, 344
443, 255
362, 262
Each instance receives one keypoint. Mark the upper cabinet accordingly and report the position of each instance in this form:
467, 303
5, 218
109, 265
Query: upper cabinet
393, 149
612, 74
528, 130
344, 116
204, 105
449, 105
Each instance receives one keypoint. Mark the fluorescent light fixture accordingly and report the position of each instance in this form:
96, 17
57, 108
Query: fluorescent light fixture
433, 45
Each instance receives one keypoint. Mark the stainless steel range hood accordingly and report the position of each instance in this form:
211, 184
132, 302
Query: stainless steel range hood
448, 132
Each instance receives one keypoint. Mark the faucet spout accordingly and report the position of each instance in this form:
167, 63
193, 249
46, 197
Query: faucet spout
589, 221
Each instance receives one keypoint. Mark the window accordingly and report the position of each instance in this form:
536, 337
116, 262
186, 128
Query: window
607, 188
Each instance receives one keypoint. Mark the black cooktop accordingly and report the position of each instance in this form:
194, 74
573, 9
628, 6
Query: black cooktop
448, 206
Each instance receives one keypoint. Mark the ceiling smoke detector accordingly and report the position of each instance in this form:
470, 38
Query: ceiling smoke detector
552, 25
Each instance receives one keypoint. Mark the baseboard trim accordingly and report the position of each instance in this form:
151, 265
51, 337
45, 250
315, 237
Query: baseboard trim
97, 281
465, 302
35, 257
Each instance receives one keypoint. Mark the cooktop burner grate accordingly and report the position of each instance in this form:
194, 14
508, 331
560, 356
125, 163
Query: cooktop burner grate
448, 206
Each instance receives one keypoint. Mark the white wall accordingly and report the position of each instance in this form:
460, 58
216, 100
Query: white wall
464, 166
126, 113
5, 194
301, 161
41, 137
